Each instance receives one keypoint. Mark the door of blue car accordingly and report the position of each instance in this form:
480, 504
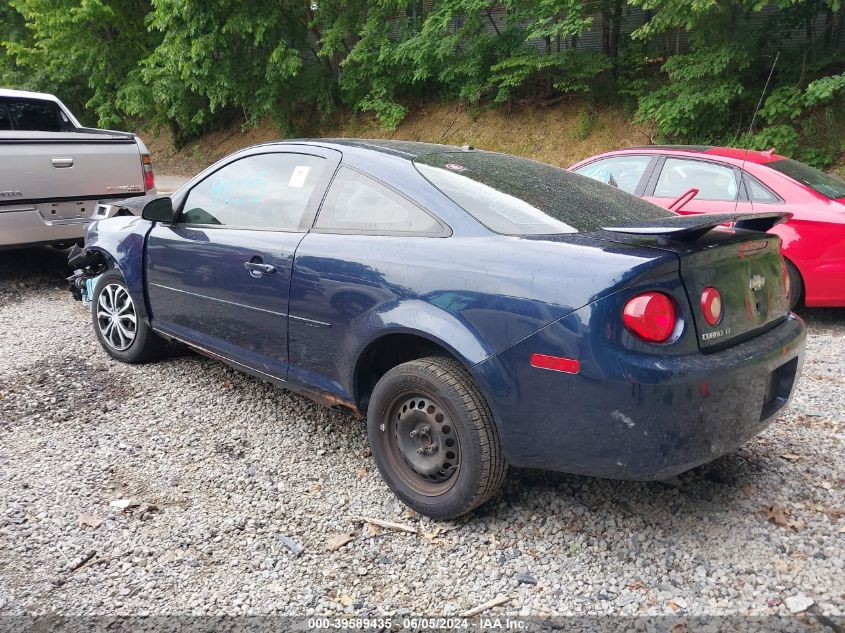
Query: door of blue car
219, 276
362, 238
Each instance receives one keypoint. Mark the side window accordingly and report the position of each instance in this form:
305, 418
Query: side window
623, 172
758, 192
263, 191
358, 203
679, 175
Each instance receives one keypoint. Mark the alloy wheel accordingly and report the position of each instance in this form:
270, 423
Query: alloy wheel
116, 317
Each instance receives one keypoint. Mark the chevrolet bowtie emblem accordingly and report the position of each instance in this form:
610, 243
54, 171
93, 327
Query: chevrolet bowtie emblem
756, 282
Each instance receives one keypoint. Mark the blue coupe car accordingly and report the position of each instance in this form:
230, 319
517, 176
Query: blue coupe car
479, 309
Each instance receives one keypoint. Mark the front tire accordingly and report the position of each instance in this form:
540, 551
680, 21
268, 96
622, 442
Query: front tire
118, 326
433, 438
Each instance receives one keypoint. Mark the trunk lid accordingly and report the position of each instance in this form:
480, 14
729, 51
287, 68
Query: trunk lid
745, 266
62, 167
747, 270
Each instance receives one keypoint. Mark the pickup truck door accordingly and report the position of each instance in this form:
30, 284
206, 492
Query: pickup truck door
219, 276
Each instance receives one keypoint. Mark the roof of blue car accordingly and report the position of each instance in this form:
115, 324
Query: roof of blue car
402, 149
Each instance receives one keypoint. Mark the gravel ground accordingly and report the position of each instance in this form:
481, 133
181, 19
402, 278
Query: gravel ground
224, 467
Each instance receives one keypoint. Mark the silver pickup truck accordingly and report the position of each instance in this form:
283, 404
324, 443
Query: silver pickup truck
56, 175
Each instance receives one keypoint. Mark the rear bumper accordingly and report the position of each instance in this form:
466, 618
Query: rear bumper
26, 225
628, 415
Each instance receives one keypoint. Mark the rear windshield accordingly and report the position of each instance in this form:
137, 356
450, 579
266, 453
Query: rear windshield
517, 196
31, 115
825, 184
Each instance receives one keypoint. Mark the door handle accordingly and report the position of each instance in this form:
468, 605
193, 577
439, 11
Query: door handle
259, 269
62, 162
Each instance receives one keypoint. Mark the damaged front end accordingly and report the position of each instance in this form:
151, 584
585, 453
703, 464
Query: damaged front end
88, 265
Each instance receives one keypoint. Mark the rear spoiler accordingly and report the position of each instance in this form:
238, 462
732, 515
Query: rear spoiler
688, 228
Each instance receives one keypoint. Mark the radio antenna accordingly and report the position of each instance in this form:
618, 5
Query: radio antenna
753, 119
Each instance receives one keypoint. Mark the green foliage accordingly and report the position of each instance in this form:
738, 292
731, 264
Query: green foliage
196, 153
569, 71
12, 31
374, 75
784, 138
220, 57
553, 68
584, 127
824, 89
708, 95
469, 50
694, 68
84, 48
785, 103
700, 97
802, 122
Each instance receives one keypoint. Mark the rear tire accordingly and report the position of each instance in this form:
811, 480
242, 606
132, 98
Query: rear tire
118, 326
796, 285
433, 438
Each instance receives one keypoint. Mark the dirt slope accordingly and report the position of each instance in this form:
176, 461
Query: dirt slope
558, 135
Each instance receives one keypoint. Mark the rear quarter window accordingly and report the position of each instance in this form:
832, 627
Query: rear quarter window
517, 196
356, 203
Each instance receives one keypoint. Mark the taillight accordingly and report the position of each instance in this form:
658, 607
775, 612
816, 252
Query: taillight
149, 177
651, 316
786, 284
711, 305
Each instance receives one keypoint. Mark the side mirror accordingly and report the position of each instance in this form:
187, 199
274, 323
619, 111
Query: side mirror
158, 210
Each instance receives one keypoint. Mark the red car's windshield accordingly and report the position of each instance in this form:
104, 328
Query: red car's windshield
820, 182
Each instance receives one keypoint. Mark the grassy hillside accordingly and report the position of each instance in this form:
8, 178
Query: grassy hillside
559, 135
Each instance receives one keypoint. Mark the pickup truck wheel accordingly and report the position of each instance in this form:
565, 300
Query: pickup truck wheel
433, 438
121, 332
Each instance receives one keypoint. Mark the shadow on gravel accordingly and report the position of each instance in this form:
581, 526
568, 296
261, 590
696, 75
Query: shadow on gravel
30, 269
815, 317
44, 387
724, 482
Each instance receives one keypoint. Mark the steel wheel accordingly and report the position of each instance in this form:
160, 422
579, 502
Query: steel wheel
433, 437
424, 445
116, 316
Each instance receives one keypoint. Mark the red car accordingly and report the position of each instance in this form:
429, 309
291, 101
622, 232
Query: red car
702, 179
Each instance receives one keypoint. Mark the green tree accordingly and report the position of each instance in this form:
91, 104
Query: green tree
696, 68
220, 59
12, 32
467, 49
81, 49
709, 92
